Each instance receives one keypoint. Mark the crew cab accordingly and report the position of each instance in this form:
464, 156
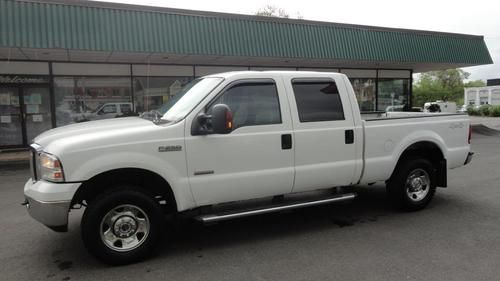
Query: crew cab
234, 137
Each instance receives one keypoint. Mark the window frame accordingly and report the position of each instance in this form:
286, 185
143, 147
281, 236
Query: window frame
316, 80
248, 81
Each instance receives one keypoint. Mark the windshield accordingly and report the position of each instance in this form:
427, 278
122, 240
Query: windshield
178, 106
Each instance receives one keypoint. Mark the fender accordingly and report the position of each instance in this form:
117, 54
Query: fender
177, 178
415, 137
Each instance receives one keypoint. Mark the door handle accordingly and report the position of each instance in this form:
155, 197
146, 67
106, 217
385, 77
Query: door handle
349, 136
286, 141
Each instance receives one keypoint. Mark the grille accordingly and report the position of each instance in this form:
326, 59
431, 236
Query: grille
33, 164
34, 150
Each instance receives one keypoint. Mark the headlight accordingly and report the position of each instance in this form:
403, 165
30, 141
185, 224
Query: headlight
50, 168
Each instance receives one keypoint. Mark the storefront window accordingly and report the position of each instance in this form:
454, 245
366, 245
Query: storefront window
80, 99
365, 93
151, 92
393, 94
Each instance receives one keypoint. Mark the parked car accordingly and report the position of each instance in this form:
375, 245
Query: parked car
234, 137
105, 111
440, 106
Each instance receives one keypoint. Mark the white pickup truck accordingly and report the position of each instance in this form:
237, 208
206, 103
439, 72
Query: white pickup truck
230, 137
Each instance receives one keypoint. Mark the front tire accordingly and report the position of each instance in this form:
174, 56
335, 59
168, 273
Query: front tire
413, 184
122, 226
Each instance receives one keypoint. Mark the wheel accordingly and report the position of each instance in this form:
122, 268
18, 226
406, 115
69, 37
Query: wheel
122, 226
413, 184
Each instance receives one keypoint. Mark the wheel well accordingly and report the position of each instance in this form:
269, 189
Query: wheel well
152, 183
430, 151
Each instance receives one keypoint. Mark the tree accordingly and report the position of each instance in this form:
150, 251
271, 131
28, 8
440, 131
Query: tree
475, 83
272, 11
441, 85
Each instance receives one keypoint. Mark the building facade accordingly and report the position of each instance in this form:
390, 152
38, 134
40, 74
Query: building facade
477, 96
63, 62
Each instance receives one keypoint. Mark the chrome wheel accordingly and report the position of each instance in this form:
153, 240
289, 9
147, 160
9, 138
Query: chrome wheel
124, 228
417, 185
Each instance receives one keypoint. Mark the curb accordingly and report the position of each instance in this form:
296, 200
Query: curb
14, 164
14, 158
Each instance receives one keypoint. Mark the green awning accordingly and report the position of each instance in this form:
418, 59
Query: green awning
96, 26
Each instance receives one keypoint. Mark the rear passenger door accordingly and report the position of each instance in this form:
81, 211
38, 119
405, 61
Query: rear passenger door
323, 126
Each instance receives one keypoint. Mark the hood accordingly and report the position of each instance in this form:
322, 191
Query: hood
92, 131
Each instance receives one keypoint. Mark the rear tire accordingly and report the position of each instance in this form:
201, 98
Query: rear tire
122, 226
413, 184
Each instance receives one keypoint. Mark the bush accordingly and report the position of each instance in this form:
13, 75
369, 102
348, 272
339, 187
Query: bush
471, 110
484, 110
495, 111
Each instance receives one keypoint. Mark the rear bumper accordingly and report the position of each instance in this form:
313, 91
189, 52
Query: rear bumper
469, 158
49, 203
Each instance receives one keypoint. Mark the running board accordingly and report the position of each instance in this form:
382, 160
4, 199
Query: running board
252, 212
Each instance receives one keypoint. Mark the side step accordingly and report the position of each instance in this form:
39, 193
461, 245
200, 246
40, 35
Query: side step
209, 218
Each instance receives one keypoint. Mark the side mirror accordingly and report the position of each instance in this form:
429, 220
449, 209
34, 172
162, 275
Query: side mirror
222, 119
220, 122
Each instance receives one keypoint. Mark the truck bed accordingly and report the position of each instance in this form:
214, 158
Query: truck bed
387, 135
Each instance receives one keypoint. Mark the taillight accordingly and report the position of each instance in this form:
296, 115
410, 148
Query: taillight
470, 134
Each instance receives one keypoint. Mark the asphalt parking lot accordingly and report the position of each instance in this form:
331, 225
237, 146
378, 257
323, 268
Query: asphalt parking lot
456, 238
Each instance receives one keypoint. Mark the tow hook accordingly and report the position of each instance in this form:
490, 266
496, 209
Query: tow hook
25, 203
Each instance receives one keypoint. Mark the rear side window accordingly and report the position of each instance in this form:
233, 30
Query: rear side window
252, 104
125, 108
317, 101
110, 108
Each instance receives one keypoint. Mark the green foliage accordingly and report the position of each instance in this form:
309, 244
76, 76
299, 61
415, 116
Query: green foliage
442, 85
475, 83
484, 110
272, 11
471, 110
495, 111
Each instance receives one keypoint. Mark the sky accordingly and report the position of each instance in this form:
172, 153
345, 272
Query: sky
479, 17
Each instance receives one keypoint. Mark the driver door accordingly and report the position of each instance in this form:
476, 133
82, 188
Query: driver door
251, 161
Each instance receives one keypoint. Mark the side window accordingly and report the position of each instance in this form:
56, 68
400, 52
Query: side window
110, 108
125, 108
317, 101
252, 104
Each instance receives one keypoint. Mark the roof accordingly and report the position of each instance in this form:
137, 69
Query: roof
99, 26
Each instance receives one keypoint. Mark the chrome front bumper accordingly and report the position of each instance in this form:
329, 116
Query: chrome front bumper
49, 203
52, 214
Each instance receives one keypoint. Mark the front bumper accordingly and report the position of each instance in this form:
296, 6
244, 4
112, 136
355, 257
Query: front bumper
469, 158
49, 203
54, 215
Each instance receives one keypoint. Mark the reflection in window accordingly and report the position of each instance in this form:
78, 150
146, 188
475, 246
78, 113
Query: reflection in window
252, 104
365, 93
79, 99
393, 94
150, 93
318, 101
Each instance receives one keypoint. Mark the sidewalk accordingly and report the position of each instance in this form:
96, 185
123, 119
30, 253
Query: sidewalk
12, 158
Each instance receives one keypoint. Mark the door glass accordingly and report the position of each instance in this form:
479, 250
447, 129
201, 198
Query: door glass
11, 132
252, 104
37, 110
318, 101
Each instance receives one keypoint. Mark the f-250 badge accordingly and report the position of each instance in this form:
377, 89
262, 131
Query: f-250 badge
170, 148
